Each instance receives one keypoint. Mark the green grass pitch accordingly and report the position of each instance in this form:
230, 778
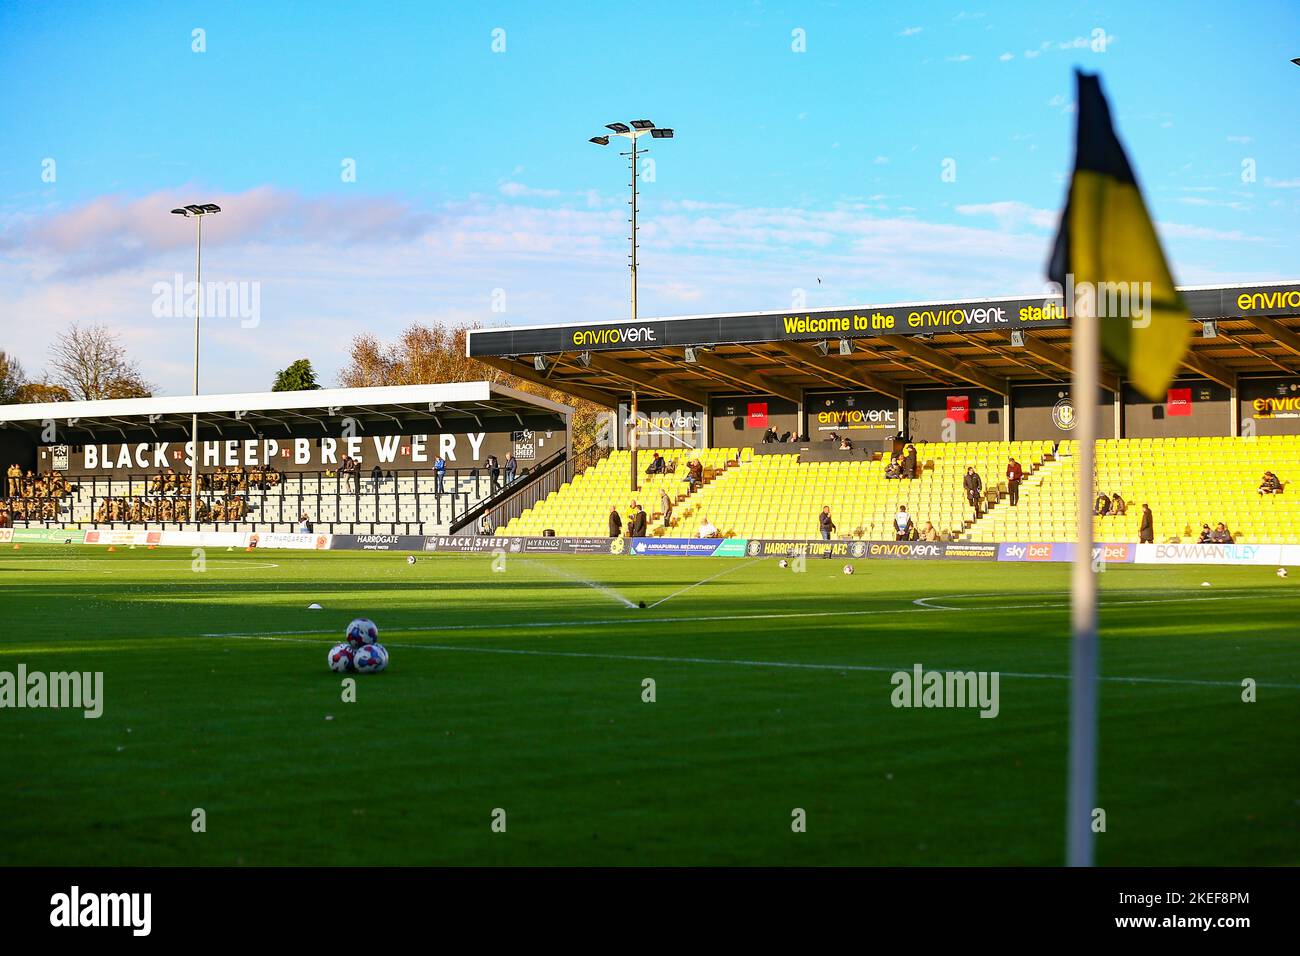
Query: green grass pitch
521, 689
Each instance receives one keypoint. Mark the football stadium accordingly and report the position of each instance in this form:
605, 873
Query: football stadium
950, 576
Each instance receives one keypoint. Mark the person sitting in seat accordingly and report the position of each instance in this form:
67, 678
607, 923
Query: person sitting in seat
707, 528
769, 436
304, 524
1270, 484
1102, 506
846, 444
1118, 506
1221, 534
656, 466
1205, 535
895, 467
929, 532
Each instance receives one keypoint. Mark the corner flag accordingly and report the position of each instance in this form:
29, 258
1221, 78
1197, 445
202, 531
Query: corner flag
1108, 251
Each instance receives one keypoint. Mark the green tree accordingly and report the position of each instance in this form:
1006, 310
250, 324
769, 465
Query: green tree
12, 378
298, 377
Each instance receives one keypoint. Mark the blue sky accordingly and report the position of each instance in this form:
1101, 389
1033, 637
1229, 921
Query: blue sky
477, 198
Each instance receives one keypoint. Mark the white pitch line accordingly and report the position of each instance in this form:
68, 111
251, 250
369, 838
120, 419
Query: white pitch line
715, 577
741, 662
707, 618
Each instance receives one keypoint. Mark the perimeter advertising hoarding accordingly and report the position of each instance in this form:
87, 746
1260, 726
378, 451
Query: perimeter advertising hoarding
46, 535
475, 544
1110, 553
377, 542
908, 550
123, 536
1217, 554
690, 547
869, 321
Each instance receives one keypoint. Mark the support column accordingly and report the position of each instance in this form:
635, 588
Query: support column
1006, 417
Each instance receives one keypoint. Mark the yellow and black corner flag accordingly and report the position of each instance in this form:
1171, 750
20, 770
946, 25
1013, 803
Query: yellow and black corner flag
1108, 255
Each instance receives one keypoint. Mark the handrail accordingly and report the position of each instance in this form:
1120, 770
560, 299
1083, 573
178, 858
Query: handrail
549, 476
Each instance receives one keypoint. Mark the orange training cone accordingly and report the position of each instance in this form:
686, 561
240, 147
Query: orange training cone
112, 548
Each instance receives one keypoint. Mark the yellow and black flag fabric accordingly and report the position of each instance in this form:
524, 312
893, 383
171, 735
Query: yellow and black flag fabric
1107, 254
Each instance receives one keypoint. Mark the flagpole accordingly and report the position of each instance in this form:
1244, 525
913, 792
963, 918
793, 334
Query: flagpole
1083, 596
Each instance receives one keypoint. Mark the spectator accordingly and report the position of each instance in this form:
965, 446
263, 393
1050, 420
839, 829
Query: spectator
376, 476
665, 506
304, 524
615, 522
512, 467
439, 473
903, 526
769, 436
929, 532
1147, 529
15, 474
1101, 507
1221, 534
1014, 474
1206, 535
707, 528
895, 467
1118, 506
656, 466
846, 444
974, 486
1270, 484
825, 523
639, 522
909, 462
494, 471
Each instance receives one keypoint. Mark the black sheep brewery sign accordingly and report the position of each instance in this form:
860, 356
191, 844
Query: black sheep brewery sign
389, 452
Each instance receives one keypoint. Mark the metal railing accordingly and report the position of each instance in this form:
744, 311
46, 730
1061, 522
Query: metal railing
545, 478
317, 494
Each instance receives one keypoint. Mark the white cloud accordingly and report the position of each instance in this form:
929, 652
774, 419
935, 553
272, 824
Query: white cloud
1012, 214
882, 160
1007, 56
1282, 183
910, 31
1239, 139
959, 58
518, 190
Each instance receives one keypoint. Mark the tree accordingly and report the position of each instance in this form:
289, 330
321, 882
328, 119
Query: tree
34, 393
89, 364
428, 354
12, 378
298, 377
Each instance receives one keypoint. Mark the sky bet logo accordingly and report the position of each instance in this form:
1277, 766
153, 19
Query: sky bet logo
103, 909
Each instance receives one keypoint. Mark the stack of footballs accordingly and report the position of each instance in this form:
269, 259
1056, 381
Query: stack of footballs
361, 651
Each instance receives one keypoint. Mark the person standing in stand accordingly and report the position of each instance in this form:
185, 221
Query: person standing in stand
1014, 474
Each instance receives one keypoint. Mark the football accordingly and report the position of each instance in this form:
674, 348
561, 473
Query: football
848, 569
783, 563
1281, 572
410, 559
370, 659
361, 632
340, 658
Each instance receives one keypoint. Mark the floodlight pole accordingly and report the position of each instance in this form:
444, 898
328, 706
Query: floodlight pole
194, 422
635, 131
196, 211
632, 432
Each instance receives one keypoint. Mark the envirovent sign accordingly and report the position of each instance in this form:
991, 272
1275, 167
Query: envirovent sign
917, 318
